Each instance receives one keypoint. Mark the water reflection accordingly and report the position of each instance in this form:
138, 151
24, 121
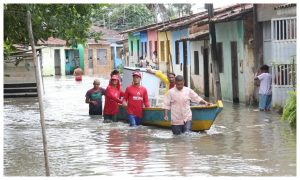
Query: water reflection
137, 149
114, 143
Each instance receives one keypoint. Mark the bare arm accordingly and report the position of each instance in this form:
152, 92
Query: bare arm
166, 118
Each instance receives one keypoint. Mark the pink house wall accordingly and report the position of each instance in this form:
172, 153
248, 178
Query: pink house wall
152, 36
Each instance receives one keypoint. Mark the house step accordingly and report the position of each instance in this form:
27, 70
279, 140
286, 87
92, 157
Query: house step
16, 95
20, 90
15, 85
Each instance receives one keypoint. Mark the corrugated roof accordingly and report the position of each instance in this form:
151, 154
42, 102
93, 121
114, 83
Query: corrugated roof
196, 36
235, 12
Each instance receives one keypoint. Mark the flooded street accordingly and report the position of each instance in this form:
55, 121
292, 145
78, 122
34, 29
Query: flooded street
240, 143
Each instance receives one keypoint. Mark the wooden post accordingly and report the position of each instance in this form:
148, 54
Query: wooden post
40, 96
214, 52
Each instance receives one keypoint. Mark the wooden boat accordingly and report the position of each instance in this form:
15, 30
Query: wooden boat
202, 116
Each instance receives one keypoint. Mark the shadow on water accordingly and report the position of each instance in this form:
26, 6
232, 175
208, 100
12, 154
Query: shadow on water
241, 142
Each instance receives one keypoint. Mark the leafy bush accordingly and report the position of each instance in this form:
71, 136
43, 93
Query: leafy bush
289, 111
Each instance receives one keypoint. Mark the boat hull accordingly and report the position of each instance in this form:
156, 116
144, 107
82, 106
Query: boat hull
202, 116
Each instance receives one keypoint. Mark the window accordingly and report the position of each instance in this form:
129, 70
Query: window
220, 57
150, 49
196, 62
112, 53
90, 58
101, 56
119, 52
142, 50
131, 46
284, 29
145, 44
162, 50
177, 52
168, 51
138, 48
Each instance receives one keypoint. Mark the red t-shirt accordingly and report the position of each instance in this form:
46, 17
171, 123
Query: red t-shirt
136, 97
112, 99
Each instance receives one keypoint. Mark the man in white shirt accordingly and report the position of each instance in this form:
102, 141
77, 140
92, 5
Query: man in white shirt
178, 101
265, 88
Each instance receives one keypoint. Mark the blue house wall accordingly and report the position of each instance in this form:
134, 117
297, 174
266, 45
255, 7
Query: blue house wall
117, 60
143, 39
177, 35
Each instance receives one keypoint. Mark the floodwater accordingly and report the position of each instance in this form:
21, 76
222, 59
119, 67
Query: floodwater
240, 143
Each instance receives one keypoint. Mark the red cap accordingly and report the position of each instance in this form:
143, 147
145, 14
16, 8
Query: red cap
136, 73
115, 77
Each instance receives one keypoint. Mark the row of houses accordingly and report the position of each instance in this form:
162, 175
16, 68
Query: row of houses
247, 36
94, 58
57, 59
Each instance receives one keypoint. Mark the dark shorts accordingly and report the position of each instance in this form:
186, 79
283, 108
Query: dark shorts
110, 118
179, 129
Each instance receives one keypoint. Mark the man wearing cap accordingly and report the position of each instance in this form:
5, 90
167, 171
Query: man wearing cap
93, 97
112, 99
134, 98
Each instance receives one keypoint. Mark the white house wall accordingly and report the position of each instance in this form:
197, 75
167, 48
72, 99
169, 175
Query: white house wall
48, 60
198, 80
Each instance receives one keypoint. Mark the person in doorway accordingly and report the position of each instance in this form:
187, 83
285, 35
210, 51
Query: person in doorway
178, 101
112, 99
93, 97
168, 80
265, 88
134, 98
78, 73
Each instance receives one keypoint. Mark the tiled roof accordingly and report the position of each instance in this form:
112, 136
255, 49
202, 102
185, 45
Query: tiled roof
108, 34
285, 6
52, 41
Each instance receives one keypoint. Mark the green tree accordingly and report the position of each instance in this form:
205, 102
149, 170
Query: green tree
70, 22
123, 16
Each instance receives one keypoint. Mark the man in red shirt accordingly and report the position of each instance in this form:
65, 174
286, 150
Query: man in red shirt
135, 97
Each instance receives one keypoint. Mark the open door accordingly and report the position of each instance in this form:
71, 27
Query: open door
57, 60
185, 69
234, 72
206, 72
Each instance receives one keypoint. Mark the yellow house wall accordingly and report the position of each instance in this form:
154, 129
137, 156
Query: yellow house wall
163, 60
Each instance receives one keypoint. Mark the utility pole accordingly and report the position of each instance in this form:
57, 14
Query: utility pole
214, 53
40, 96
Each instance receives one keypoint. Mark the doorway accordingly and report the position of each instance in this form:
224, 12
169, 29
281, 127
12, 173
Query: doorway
57, 61
206, 72
234, 72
